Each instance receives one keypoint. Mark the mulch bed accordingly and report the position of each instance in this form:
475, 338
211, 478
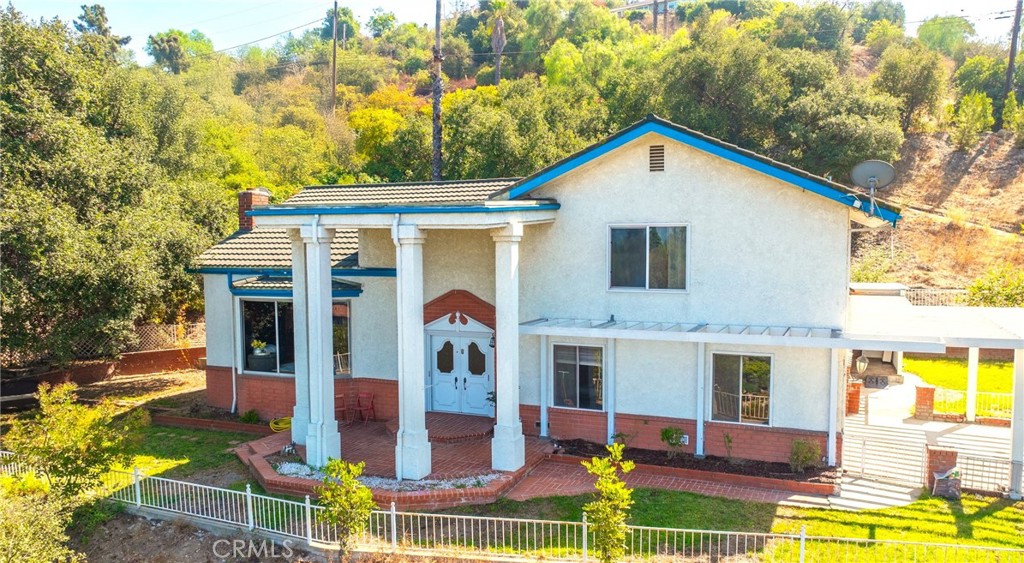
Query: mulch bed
583, 448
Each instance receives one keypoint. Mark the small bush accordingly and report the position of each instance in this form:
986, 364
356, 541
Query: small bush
972, 118
1002, 286
347, 502
250, 417
804, 454
673, 438
33, 527
607, 515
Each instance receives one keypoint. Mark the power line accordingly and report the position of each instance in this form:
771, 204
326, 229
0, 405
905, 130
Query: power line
318, 20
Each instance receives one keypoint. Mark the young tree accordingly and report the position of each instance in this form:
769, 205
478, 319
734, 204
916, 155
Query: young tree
972, 118
347, 502
946, 34
914, 76
381, 22
607, 514
33, 525
882, 34
1013, 118
72, 445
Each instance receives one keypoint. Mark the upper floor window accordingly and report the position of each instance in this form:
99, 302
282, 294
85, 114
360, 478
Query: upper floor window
648, 257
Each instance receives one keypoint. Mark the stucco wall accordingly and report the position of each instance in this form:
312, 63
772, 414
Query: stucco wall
760, 251
219, 319
374, 338
656, 378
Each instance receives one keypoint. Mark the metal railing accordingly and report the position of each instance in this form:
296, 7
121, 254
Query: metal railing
936, 297
950, 401
441, 535
994, 405
984, 474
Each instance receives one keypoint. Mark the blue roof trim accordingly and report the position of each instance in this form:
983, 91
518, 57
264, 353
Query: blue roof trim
341, 272
728, 154
363, 210
288, 293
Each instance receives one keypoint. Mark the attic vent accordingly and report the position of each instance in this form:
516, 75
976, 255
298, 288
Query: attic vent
657, 158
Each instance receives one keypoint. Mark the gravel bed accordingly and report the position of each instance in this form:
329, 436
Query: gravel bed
292, 469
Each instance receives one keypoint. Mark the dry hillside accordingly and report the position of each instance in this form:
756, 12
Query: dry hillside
963, 213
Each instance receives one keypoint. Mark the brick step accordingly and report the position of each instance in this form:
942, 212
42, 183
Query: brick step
449, 428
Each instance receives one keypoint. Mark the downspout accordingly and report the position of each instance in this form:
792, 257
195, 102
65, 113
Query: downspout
398, 317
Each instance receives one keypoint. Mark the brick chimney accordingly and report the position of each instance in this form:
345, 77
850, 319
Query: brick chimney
246, 201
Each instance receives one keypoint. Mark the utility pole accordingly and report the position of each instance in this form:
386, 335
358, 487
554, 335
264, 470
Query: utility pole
665, 18
1014, 39
344, 36
654, 10
438, 89
334, 58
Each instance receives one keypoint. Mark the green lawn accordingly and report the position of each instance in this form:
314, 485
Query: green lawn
178, 452
974, 520
993, 376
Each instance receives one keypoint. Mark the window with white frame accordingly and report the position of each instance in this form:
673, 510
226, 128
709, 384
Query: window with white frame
648, 257
741, 388
268, 337
578, 377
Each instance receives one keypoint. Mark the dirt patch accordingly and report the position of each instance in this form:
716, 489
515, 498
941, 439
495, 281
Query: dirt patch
135, 538
712, 463
223, 476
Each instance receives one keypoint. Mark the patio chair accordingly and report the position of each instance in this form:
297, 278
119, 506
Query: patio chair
364, 407
341, 412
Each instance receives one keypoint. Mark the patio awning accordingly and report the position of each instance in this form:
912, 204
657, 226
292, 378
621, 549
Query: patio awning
753, 335
893, 318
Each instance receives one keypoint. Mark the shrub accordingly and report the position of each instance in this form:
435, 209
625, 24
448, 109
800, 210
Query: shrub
1002, 286
673, 438
33, 527
73, 445
250, 417
804, 454
882, 34
608, 513
347, 502
972, 118
1013, 119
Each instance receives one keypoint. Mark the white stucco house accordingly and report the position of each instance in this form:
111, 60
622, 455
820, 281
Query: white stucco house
658, 278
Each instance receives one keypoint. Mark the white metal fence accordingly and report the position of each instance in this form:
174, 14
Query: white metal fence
937, 297
984, 474
954, 401
513, 538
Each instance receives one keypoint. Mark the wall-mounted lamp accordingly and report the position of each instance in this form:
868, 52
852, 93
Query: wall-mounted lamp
862, 364
491, 343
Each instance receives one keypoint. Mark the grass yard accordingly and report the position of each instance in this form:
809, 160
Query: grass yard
179, 453
951, 373
974, 520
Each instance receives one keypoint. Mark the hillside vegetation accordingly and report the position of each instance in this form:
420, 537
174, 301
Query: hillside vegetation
118, 174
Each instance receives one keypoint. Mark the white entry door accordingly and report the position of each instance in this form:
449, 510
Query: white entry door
462, 374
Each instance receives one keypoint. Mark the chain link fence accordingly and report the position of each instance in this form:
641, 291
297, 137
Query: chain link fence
937, 297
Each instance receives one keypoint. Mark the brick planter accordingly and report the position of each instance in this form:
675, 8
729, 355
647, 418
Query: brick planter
823, 489
924, 403
939, 460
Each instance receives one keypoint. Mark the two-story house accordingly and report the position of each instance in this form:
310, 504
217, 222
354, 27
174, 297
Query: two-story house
660, 278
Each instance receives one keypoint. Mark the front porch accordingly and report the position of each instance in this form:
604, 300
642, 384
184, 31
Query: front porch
460, 450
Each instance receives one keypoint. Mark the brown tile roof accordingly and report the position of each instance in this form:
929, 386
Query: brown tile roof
456, 191
272, 282
272, 249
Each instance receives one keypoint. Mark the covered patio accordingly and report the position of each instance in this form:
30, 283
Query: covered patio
891, 320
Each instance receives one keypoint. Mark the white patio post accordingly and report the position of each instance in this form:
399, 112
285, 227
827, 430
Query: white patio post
698, 446
508, 447
412, 449
833, 406
609, 386
323, 441
1017, 426
972, 383
544, 384
300, 414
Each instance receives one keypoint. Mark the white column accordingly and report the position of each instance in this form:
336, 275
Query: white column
1017, 426
833, 406
609, 388
300, 414
544, 385
412, 449
508, 448
323, 441
972, 384
701, 400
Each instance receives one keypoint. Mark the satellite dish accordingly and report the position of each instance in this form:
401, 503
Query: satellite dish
872, 175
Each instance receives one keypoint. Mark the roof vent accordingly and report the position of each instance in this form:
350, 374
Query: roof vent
657, 158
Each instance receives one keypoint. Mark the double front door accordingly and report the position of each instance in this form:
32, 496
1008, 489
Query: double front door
462, 374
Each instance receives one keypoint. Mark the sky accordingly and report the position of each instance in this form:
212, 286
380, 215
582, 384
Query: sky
234, 22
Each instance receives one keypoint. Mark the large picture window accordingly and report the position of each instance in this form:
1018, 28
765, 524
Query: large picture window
741, 388
578, 377
648, 257
268, 337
